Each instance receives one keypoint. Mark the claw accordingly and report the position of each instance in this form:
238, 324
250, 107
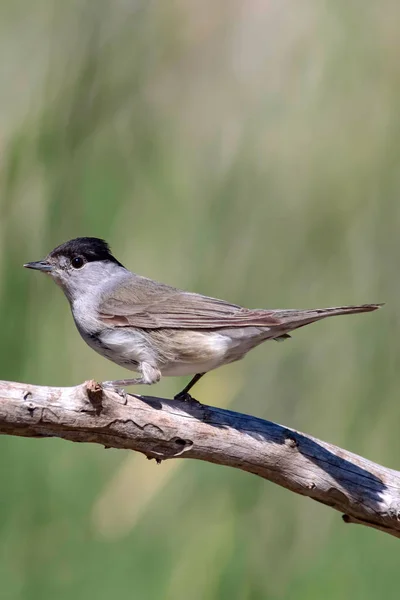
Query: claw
108, 385
186, 397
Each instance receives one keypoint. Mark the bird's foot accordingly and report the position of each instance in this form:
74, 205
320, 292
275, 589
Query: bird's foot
186, 397
110, 386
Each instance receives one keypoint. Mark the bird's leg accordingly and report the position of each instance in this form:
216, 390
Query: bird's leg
118, 384
125, 382
184, 394
149, 376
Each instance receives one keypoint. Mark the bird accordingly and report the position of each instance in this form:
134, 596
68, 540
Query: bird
158, 330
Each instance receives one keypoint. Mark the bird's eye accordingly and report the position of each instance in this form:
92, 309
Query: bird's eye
77, 262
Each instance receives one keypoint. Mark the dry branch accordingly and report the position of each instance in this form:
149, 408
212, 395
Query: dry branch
365, 492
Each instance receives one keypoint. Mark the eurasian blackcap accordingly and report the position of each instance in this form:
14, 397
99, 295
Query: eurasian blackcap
156, 329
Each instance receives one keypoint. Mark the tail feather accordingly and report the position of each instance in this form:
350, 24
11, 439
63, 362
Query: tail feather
293, 319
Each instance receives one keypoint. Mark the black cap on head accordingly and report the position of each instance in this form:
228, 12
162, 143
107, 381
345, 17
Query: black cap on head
90, 248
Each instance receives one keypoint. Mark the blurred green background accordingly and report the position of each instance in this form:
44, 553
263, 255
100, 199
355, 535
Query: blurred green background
247, 150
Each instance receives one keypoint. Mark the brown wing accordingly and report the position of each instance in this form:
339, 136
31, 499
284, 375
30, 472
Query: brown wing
146, 304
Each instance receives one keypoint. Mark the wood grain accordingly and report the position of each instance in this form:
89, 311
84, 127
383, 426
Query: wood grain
365, 492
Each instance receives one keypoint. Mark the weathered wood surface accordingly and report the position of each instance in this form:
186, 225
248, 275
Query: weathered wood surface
365, 492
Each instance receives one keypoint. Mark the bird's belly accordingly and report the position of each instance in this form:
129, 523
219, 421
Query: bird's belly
199, 352
190, 352
173, 352
122, 347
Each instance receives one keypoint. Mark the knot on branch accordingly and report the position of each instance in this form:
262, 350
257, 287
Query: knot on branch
394, 510
171, 448
291, 439
95, 395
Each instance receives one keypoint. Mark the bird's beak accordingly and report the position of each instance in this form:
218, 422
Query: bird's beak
40, 265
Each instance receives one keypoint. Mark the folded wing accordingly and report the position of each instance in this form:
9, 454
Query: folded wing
149, 305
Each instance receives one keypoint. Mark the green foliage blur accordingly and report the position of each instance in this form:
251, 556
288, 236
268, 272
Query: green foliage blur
249, 151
